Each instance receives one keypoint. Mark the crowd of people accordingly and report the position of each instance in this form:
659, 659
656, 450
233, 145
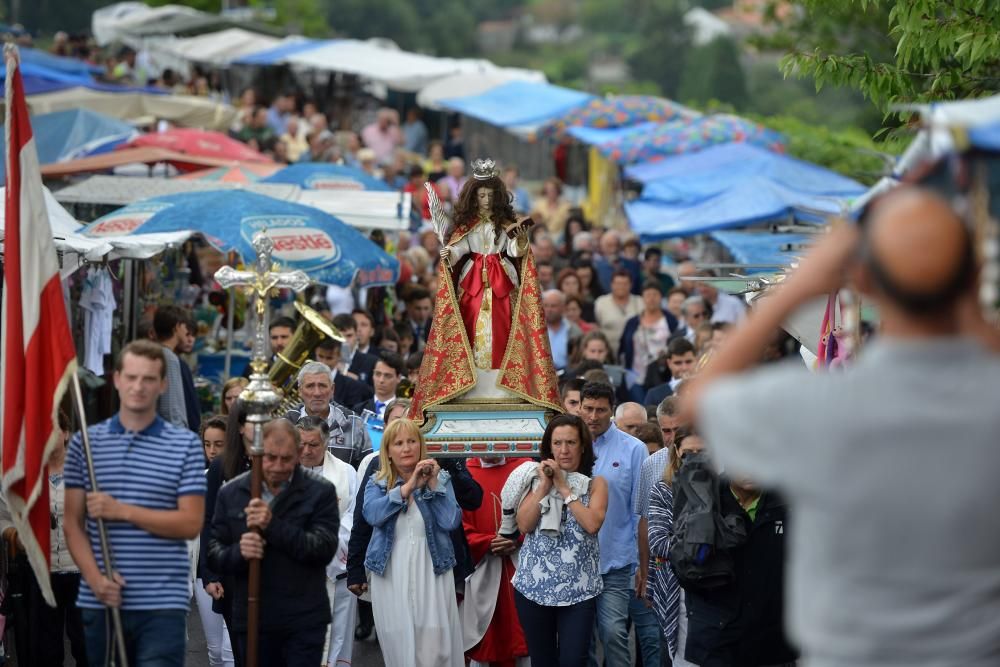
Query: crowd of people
649, 529
323, 545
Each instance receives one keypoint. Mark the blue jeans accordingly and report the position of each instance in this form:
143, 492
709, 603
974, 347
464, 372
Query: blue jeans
647, 631
612, 618
153, 638
556, 636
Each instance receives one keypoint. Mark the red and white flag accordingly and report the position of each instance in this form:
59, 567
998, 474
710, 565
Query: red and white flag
38, 355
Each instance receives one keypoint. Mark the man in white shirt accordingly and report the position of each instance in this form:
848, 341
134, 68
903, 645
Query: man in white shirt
388, 373
725, 307
314, 456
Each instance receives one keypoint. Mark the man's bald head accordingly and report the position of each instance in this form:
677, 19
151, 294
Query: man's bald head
629, 416
918, 250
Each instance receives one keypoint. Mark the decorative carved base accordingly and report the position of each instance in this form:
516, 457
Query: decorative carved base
481, 427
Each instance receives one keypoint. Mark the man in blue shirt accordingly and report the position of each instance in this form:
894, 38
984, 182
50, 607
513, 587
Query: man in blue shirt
152, 480
619, 462
415, 135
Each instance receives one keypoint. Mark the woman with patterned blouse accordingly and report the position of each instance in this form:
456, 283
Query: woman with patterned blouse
558, 577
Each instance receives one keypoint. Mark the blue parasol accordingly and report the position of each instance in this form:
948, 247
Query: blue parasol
326, 176
305, 238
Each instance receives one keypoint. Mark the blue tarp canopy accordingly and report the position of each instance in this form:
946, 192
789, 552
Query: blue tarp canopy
986, 137
763, 248
74, 133
518, 104
59, 63
594, 136
45, 73
732, 185
278, 54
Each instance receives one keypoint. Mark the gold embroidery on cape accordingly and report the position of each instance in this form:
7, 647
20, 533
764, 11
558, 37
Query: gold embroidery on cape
448, 368
483, 347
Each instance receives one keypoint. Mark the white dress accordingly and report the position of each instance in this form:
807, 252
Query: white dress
483, 240
416, 613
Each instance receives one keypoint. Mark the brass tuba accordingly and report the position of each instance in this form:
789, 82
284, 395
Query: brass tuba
283, 372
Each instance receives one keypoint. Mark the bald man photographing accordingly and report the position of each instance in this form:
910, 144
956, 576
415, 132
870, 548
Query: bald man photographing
890, 467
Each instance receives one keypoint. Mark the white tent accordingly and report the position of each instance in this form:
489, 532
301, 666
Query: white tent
462, 85
361, 209
129, 22
215, 48
77, 247
394, 68
183, 110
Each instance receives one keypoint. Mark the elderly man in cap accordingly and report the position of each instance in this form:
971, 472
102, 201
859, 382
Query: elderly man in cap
890, 466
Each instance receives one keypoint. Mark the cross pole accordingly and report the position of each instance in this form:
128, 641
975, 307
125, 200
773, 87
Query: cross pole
260, 396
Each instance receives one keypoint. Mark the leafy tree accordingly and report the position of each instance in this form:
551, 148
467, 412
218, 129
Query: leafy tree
897, 51
658, 54
306, 17
606, 16
396, 19
849, 150
449, 28
713, 71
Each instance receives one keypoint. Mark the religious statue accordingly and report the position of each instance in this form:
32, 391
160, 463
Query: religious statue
488, 339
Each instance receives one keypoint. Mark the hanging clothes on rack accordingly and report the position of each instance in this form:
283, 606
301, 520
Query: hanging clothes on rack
98, 302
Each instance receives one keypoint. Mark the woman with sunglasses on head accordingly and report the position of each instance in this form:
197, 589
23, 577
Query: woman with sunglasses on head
558, 577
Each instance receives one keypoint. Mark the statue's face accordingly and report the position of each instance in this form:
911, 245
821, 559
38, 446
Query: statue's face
485, 197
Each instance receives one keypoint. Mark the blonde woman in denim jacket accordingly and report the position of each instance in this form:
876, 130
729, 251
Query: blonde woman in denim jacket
411, 507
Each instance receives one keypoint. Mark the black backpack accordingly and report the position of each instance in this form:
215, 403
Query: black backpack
700, 550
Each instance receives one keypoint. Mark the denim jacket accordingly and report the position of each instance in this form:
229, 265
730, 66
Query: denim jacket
439, 509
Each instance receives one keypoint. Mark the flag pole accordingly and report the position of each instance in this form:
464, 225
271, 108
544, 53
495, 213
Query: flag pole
102, 531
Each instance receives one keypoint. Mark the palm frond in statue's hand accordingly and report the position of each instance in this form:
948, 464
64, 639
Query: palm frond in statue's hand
439, 217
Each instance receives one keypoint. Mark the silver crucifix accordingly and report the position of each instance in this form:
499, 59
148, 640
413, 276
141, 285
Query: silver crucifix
260, 396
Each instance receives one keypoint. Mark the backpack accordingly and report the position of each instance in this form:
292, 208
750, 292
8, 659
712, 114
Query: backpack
700, 549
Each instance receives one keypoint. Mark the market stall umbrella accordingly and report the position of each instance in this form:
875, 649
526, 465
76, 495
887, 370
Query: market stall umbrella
619, 111
327, 176
687, 136
201, 143
243, 173
305, 238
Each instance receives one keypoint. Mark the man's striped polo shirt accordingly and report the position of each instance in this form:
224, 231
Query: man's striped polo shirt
150, 468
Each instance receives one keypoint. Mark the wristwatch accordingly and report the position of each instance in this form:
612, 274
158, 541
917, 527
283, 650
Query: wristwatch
571, 499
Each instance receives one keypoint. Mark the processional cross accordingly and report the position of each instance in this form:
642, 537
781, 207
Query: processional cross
260, 397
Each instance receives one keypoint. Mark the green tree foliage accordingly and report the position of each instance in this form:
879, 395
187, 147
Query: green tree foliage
849, 151
444, 27
659, 50
305, 17
395, 19
897, 51
713, 71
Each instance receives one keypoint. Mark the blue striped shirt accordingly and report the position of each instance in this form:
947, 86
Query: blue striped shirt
150, 468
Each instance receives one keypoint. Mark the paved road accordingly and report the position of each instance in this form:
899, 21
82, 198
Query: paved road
366, 653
